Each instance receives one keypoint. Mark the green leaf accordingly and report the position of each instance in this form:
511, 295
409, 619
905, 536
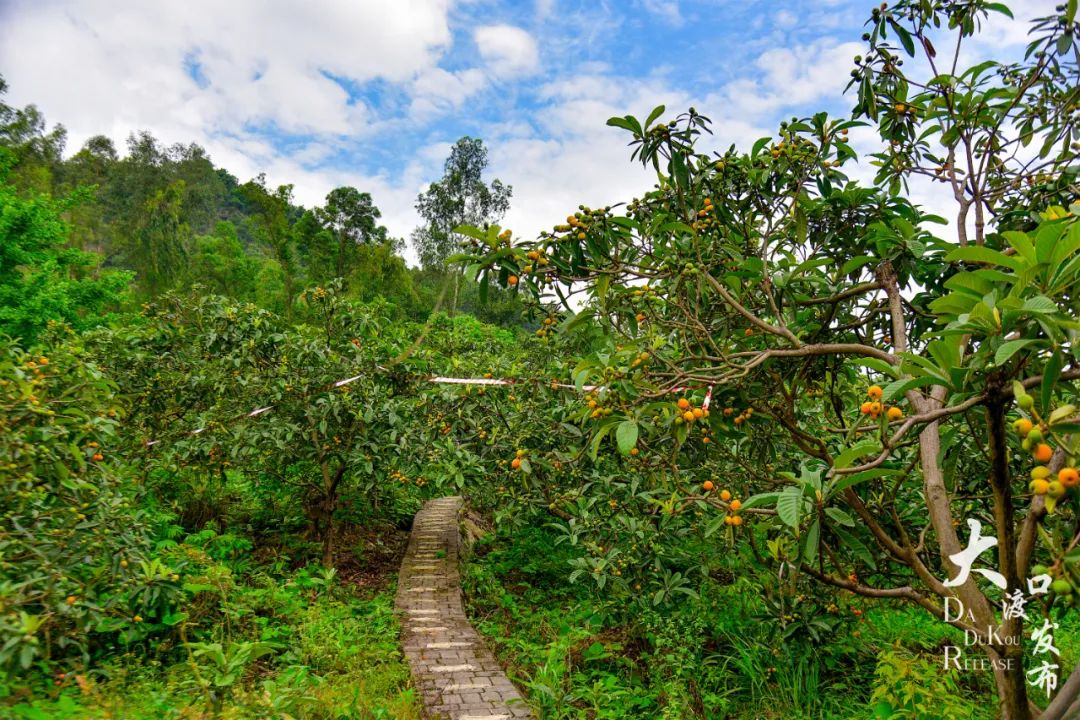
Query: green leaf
1008, 349
1061, 413
1022, 244
1064, 247
899, 388
855, 263
1064, 45
847, 481
602, 284
879, 365
855, 545
622, 122
657, 112
1039, 304
812, 542
1051, 373
766, 499
904, 36
853, 453
576, 320
626, 435
981, 254
788, 505
679, 171
839, 516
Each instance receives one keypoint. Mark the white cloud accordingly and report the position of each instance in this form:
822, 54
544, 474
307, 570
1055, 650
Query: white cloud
507, 50
544, 8
86, 63
436, 90
115, 67
668, 10
575, 158
791, 76
786, 19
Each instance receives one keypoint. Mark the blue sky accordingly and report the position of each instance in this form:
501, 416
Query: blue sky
372, 93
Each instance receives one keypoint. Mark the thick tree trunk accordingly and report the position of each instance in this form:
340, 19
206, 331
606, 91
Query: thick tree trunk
1011, 681
1011, 686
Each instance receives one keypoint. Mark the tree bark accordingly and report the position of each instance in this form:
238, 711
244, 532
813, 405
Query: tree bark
1012, 687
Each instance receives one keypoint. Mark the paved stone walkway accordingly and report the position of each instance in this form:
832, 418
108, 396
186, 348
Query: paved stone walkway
457, 678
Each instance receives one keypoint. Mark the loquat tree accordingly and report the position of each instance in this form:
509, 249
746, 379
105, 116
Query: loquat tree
864, 370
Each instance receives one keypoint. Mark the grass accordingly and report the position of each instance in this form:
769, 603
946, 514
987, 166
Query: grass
302, 644
583, 653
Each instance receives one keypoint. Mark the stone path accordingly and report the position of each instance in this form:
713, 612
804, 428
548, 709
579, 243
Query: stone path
457, 678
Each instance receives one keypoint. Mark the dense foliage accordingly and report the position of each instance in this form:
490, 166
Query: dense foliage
864, 372
736, 482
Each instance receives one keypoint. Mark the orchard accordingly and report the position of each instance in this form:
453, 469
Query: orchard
795, 433
869, 361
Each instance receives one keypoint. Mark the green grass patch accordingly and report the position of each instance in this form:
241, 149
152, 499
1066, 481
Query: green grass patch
581, 652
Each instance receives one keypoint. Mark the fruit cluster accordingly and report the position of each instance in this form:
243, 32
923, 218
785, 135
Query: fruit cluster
688, 413
874, 407
548, 327
577, 224
742, 417
1033, 433
536, 258
405, 479
641, 359
1061, 586
734, 504
516, 462
592, 400
704, 219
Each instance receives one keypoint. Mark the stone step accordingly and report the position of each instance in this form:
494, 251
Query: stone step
429, 601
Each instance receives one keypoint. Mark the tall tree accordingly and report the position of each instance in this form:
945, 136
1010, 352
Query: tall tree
158, 246
270, 224
34, 150
178, 180
218, 263
351, 219
91, 167
461, 197
41, 277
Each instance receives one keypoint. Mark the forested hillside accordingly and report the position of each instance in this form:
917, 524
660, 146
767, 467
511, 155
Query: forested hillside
148, 219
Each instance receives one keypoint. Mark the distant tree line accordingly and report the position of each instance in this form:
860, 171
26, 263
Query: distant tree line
128, 227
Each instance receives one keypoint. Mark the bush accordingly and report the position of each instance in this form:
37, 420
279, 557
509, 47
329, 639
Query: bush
74, 550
